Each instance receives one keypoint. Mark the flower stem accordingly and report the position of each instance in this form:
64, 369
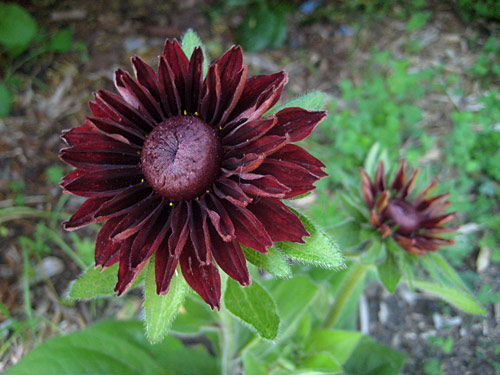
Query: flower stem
227, 342
356, 273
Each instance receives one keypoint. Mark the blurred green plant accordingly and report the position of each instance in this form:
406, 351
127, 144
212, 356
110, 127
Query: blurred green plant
474, 9
22, 41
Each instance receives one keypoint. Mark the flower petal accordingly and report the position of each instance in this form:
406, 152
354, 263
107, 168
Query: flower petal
194, 81
85, 214
170, 96
146, 77
298, 123
297, 155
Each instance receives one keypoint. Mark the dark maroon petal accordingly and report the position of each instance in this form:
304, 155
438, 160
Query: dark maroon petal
211, 94
123, 90
438, 221
83, 134
194, 81
179, 64
170, 96
125, 113
146, 103
102, 183
137, 218
127, 274
102, 110
408, 188
132, 135
197, 221
165, 266
262, 146
249, 230
179, 226
149, 238
233, 76
101, 155
231, 190
380, 183
297, 155
421, 196
295, 177
367, 188
247, 132
266, 186
431, 203
399, 178
298, 123
203, 278
85, 215
259, 94
106, 250
146, 76
230, 257
281, 223
245, 164
219, 218
124, 202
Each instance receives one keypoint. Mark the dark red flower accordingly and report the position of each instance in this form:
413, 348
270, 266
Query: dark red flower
187, 168
413, 223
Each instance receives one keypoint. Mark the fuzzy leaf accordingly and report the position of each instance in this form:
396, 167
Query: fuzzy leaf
312, 101
338, 343
389, 272
190, 41
318, 249
373, 252
160, 311
96, 283
456, 297
273, 262
253, 305
441, 271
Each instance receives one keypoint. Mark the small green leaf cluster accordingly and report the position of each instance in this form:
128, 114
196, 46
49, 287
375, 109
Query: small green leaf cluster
487, 66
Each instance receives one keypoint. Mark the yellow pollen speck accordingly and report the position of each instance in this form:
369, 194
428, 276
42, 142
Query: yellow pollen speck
138, 152
196, 114
207, 191
142, 180
185, 112
171, 204
220, 127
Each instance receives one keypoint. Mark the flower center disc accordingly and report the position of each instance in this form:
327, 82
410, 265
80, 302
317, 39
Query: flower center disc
181, 158
402, 214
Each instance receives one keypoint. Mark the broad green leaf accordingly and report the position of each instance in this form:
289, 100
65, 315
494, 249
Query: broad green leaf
340, 344
441, 271
253, 366
389, 272
190, 41
456, 297
347, 234
318, 249
62, 41
273, 262
114, 347
5, 100
253, 305
160, 311
323, 362
293, 297
373, 252
194, 314
95, 282
371, 358
312, 101
17, 26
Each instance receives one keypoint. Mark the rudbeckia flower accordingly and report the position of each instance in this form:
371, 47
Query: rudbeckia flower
189, 168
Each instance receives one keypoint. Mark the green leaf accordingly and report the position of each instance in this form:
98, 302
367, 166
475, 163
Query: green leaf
456, 297
340, 344
354, 207
17, 27
347, 234
323, 362
160, 311
389, 272
371, 358
194, 314
253, 305
5, 100
273, 262
62, 41
318, 249
441, 271
253, 366
373, 252
96, 283
190, 41
312, 101
117, 347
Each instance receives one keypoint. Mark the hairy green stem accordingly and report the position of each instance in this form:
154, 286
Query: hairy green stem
356, 273
227, 342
